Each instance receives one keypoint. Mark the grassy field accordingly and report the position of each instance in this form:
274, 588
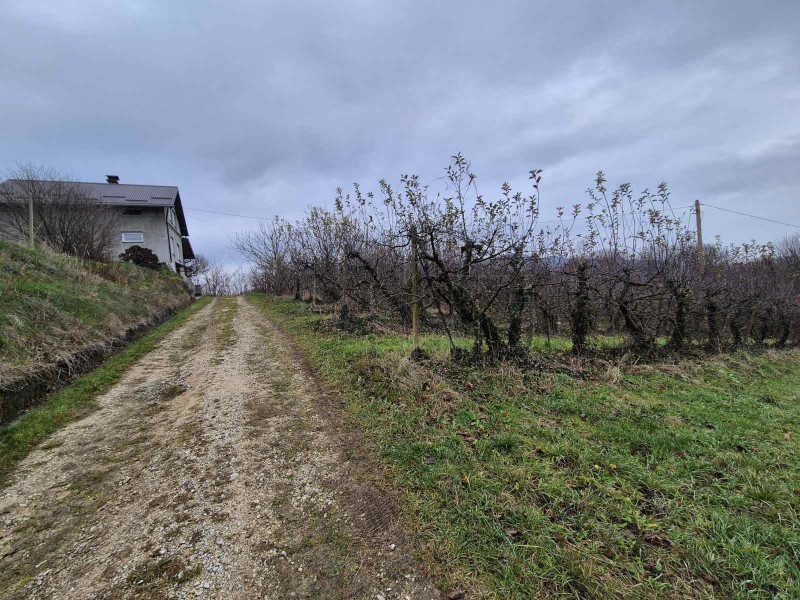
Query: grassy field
73, 402
52, 305
659, 481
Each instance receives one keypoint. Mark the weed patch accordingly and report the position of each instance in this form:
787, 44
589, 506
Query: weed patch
151, 579
226, 314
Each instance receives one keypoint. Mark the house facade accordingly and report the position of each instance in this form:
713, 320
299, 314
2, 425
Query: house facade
151, 217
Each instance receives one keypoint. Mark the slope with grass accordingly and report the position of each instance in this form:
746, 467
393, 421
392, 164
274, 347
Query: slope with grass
77, 400
56, 310
660, 480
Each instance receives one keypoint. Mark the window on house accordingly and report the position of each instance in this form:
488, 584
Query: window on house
129, 237
131, 211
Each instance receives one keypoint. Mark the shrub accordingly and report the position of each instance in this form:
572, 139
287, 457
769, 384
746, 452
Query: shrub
143, 257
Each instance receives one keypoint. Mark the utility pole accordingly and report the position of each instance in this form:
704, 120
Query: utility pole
700, 258
414, 290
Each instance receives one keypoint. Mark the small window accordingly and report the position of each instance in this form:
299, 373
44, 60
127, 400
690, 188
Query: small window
131, 211
132, 236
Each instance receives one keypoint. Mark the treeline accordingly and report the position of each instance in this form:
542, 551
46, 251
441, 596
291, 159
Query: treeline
622, 264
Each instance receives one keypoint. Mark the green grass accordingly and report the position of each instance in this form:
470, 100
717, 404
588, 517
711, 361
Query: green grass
18, 438
52, 304
227, 311
680, 481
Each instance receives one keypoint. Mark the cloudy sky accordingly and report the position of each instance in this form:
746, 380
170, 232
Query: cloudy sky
263, 108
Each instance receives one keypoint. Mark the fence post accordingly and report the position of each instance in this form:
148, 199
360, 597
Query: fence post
414, 290
314, 290
30, 221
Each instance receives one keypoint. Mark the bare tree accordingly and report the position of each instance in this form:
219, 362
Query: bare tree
268, 250
216, 280
789, 254
65, 218
623, 264
474, 251
197, 267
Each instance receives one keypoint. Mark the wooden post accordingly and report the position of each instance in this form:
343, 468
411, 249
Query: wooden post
314, 289
414, 290
700, 256
345, 278
30, 220
372, 300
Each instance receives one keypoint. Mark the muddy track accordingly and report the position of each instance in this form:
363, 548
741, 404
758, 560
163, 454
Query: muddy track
208, 471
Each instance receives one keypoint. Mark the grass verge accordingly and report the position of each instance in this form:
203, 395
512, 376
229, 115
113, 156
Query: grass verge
228, 308
660, 481
19, 437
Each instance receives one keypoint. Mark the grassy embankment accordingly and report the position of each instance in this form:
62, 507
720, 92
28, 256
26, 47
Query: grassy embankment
53, 306
76, 400
655, 481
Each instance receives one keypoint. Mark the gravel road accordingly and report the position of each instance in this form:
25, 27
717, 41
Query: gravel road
209, 471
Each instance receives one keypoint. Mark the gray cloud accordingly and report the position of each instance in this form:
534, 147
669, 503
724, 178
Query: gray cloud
262, 109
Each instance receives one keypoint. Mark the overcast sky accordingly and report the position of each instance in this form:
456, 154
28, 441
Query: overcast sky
263, 108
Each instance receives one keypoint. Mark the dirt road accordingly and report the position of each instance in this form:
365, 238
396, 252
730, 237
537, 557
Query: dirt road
208, 471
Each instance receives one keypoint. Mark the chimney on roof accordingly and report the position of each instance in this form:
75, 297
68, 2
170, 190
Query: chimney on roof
112, 178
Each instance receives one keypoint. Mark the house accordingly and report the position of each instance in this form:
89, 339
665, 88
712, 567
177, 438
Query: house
151, 217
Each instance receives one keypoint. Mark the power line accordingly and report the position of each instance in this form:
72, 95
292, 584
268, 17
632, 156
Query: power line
736, 212
214, 212
212, 224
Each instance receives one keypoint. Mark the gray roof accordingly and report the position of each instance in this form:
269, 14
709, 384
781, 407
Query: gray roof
127, 194
188, 252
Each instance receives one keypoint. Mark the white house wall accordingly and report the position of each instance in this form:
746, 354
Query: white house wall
174, 236
152, 225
